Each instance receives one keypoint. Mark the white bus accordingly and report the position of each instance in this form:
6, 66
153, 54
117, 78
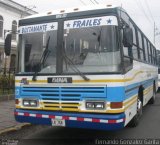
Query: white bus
158, 62
88, 67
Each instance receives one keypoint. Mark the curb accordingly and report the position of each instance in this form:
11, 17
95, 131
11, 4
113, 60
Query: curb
15, 128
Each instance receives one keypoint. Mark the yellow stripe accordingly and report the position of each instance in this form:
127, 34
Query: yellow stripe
92, 81
30, 81
109, 80
68, 109
115, 111
65, 105
148, 90
72, 105
52, 105
17, 107
126, 106
127, 102
130, 104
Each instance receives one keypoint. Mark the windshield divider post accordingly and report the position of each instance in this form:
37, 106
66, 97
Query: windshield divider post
59, 51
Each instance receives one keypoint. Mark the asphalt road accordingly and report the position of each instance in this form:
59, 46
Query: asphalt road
149, 128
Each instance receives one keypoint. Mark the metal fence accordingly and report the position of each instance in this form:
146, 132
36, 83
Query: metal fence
7, 81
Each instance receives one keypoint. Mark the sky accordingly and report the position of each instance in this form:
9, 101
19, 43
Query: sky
144, 12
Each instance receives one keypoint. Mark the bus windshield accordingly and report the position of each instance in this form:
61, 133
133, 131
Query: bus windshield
93, 48
91, 44
38, 47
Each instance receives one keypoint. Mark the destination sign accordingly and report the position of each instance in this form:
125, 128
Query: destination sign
38, 28
91, 22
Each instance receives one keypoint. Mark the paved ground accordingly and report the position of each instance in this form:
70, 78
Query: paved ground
7, 120
149, 128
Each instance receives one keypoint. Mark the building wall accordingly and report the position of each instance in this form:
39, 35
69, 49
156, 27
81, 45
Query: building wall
8, 17
10, 11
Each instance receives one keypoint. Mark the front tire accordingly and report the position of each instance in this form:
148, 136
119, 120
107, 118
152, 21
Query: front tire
135, 121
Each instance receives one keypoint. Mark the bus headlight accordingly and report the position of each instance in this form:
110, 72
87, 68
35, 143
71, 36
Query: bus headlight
30, 103
95, 105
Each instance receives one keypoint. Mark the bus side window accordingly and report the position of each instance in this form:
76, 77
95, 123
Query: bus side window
152, 54
146, 49
149, 50
135, 47
140, 46
128, 57
158, 60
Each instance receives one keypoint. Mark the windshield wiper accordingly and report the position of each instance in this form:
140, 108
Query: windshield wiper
42, 60
75, 69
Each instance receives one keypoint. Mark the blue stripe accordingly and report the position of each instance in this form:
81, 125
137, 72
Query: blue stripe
134, 92
111, 94
115, 94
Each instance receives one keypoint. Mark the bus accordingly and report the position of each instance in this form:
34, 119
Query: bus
158, 62
88, 67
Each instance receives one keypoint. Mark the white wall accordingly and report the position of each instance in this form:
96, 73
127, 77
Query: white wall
9, 14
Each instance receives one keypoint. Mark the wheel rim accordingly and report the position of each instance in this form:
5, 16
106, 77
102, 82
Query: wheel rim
139, 109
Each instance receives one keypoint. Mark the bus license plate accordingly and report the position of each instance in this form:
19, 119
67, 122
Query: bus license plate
58, 122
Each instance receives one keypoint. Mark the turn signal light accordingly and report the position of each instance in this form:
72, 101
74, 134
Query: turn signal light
17, 101
115, 105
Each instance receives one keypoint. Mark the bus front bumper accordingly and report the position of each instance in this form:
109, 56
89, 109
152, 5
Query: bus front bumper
75, 120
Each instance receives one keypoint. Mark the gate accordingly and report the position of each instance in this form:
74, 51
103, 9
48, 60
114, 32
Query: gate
7, 81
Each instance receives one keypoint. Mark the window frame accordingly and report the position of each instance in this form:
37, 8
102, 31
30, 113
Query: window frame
145, 45
1, 26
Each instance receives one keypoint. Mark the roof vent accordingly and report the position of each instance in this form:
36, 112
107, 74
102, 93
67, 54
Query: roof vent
49, 13
109, 5
62, 11
76, 9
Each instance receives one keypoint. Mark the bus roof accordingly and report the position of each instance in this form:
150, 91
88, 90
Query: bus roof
72, 10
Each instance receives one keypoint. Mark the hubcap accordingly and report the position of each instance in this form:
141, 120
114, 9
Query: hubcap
139, 108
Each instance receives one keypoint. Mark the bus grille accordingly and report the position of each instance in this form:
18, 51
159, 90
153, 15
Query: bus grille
64, 98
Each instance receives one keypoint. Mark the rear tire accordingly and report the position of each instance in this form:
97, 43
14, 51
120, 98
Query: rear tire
136, 119
152, 100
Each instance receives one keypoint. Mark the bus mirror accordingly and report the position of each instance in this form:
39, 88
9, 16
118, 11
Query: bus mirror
7, 45
127, 37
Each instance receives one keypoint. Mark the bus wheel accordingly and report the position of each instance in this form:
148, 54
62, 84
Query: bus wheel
135, 121
152, 100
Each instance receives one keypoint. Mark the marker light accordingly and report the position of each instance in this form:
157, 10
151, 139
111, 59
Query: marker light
62, 11
76, 9
24, 81
109, 5
115, 105
17, 101
49, 13
95, 105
